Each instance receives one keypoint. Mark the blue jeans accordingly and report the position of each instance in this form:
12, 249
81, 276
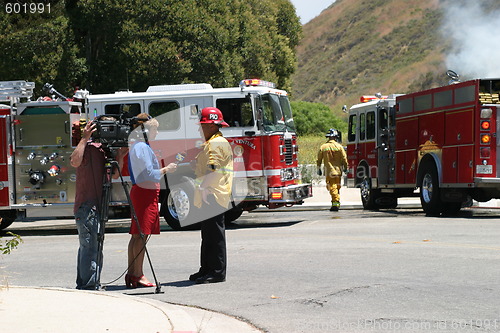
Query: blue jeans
89, 254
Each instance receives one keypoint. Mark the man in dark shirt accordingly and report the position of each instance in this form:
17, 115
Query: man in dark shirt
89, 158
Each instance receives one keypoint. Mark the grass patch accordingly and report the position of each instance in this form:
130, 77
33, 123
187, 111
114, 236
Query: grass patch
308, 154
308, 148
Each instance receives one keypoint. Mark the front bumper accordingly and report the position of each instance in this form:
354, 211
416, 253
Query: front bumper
290, 194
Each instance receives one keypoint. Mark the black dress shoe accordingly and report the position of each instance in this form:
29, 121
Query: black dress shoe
196, 276
210, 278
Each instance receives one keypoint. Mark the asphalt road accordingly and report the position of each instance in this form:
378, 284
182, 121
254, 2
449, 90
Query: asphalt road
306, 271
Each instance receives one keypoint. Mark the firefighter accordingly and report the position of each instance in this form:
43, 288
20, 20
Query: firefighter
214, 177
333, 155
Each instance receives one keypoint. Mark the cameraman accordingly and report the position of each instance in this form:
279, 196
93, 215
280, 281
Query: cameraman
145, 174
89, 159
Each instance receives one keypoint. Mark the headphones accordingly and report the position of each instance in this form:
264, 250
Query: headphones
144, 130
137, 120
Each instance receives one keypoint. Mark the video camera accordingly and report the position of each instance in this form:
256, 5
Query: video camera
113, 132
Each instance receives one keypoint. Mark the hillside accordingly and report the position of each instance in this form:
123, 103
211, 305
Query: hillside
360, 47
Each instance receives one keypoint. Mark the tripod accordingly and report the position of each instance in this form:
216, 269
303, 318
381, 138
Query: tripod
109, 166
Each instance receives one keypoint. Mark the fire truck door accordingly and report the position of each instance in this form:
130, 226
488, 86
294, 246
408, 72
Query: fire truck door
356, 149
363, 152
4, 167
362, 136
353, 139
383, 145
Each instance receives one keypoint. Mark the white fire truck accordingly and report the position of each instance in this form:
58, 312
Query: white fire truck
442, 141
261, 133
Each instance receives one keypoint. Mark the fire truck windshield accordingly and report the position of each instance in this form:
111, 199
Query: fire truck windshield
277, 113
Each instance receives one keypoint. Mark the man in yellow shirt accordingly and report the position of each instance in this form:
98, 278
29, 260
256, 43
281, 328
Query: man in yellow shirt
333, 155
214, 176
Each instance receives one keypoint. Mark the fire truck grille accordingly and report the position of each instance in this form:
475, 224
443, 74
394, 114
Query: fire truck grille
288, 151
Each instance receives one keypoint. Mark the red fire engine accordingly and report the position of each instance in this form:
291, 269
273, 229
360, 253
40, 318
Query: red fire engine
262, 135
442, 141
36, 178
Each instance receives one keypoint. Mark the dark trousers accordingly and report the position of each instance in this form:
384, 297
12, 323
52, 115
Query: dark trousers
213, 243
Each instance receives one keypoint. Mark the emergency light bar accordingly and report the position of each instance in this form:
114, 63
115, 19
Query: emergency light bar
256, 83
369, 98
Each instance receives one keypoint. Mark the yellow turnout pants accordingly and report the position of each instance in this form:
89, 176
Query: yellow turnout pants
333, 186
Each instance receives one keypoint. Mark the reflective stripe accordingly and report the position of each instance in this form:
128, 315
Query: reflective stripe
330, 149
272, 172
248, 173
258, 173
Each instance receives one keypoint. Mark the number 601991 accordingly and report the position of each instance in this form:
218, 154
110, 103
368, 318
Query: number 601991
27, 8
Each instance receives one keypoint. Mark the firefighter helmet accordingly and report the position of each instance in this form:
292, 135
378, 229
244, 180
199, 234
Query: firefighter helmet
211, 115
332, 133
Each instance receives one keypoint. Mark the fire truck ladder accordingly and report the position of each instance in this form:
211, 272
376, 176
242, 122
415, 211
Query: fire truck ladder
14, 90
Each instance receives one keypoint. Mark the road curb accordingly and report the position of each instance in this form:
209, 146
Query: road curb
32, 309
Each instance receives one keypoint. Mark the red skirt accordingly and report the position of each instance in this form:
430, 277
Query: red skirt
145, 203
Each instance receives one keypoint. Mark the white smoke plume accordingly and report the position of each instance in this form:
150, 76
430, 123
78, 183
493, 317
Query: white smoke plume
475, 50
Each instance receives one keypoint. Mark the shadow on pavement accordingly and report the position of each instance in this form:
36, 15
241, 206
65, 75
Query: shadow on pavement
243, 224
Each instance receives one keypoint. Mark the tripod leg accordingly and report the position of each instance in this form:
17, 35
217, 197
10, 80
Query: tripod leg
103, 219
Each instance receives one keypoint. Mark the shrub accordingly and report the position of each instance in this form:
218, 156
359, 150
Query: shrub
315, 118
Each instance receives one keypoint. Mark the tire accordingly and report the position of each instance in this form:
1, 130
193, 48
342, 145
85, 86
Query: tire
373, 199
368, 195
430, 196
178, 205
7, 217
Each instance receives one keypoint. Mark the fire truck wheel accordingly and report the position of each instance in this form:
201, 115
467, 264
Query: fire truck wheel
368, 195
7, 217
430, 197
178, 204
373, 199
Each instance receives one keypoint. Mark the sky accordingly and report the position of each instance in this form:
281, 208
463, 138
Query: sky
309, 9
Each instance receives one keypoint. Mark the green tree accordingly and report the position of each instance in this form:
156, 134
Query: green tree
125, 44
40, 48
315, 118
107, 45
133, 44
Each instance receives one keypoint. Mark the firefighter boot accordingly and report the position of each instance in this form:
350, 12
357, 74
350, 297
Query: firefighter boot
335, 206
